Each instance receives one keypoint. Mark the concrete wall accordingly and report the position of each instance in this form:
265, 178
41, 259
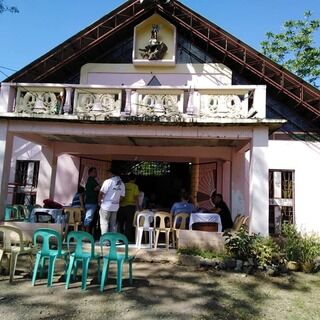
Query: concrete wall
304, 158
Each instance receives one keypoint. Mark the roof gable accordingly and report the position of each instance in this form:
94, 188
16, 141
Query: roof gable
84, 47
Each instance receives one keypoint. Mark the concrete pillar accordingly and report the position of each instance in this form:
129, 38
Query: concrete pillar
6, 142
195, 180
226, 185
67, 178
238, 184
7, 96
47, 174
259, 182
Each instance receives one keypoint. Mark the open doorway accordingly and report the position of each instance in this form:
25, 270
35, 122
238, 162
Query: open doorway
160, 181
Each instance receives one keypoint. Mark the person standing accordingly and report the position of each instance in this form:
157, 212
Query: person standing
111, 192
91, 198
128, 206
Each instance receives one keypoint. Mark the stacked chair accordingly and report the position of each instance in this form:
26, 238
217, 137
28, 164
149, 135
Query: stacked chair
51, 250
179, 223
162, 224
111, 239
143, 224
79, 255
46, 252
13, 246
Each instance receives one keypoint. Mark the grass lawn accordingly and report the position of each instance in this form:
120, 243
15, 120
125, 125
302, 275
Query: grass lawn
167, 291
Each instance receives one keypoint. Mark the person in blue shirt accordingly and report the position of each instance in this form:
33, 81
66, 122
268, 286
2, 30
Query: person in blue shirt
183, 205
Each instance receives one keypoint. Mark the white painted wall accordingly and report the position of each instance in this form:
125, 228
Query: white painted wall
304, 158
209, 74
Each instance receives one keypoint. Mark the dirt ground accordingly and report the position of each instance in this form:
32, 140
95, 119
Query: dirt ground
165, 291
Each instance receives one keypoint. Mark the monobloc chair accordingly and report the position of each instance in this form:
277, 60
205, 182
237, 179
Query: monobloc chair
20, 211
179, 223
80, 255
74, 217
11, 213
12, 249
47, 253
112, 238
162, 224
144, 220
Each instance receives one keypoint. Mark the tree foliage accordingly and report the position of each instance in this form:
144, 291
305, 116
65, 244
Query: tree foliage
295, 47
4, 7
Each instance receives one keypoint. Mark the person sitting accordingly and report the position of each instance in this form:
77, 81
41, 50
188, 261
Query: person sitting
222, 209
183, 205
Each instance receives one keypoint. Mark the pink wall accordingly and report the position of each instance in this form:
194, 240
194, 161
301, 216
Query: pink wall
67, 177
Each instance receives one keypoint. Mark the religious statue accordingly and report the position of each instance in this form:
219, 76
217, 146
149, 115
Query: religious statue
156, 49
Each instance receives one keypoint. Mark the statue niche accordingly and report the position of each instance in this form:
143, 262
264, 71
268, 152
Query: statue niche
156, 49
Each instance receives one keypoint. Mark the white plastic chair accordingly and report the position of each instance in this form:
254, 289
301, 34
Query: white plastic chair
144, 225
10, 250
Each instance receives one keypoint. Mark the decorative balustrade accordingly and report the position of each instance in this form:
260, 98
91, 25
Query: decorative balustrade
139, 103
39, 100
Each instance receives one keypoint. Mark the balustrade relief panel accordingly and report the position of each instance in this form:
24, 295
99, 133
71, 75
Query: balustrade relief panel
39, 101
166, 106
97, 103
223, 106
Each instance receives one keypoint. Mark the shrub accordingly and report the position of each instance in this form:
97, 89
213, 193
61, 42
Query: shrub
265, 252
300, 247
310, 248
259, 250
292, 245
239, 244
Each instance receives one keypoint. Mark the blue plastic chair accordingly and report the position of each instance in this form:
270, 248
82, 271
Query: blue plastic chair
112, 238
46, 253
80, 255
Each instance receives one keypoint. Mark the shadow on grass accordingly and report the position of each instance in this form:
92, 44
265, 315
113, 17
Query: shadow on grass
159, 291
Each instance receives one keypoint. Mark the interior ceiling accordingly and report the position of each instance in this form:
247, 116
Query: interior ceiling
146, 142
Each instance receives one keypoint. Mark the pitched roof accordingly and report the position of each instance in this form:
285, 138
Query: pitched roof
90, 42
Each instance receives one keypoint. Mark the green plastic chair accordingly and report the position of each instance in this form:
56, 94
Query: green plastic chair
11, 213
46, 253
112, 238
80, 255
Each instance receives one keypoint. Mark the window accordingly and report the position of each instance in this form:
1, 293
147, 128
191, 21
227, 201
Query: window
281, 199
26, 181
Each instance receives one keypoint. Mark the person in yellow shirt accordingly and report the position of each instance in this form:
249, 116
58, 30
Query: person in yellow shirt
128, 206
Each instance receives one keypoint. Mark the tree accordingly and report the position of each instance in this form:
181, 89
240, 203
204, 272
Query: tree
295, 48
4, 7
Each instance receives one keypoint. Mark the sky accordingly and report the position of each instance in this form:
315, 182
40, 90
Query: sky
43, 24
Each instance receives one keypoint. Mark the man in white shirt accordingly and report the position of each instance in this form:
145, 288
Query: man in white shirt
111, 192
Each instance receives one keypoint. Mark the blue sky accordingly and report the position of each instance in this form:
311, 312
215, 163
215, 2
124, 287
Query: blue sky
43, 24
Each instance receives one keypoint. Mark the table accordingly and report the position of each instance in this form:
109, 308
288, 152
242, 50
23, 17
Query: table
205, 217
57, 215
